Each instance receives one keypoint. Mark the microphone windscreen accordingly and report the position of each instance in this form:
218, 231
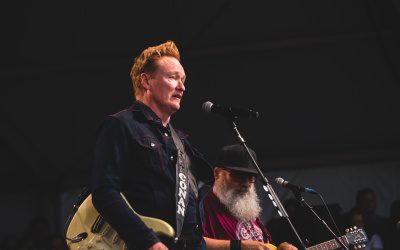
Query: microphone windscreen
279, 181
207, 106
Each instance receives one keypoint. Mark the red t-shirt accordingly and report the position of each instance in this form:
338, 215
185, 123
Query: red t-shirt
218, 223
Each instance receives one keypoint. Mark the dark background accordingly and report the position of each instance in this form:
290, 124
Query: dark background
324, 76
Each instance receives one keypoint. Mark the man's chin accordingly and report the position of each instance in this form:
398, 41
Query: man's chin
175, 106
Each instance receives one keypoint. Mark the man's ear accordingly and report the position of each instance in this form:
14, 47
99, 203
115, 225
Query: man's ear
217, 172
144, 81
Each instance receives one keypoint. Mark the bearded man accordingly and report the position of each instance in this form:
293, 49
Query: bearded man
230, 210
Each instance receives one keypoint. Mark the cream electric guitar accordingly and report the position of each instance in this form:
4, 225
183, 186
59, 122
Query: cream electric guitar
87, 230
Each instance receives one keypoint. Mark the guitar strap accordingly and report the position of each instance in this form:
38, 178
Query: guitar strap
183, 176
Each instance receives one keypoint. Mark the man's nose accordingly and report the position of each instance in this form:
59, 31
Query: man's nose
181, 85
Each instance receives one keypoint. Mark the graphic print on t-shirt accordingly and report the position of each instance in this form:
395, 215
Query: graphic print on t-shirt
248, 231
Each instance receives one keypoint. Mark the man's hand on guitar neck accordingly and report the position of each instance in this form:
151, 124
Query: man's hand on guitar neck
286, 246
215, 244
253, 245
158, 246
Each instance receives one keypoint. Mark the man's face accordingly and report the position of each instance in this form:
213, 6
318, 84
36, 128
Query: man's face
235, 180
166, 85
237, 192
357, 220
368, 203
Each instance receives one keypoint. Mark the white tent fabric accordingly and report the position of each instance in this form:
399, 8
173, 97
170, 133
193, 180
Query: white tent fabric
339, 184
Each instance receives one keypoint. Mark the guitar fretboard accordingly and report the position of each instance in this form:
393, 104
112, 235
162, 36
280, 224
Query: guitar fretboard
329, 245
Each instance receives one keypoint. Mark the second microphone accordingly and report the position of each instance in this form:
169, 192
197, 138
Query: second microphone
229, 112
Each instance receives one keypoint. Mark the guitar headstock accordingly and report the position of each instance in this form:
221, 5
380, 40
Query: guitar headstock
356, 237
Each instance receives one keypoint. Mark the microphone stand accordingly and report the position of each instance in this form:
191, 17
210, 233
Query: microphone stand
298, 196
266, 185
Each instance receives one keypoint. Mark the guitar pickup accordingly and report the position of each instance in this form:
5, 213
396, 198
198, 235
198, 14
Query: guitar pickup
98, 224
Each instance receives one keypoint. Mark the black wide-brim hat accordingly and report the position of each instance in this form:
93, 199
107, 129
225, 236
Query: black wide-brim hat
235, 157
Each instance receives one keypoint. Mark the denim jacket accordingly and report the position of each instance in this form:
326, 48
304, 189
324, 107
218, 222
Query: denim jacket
135, 155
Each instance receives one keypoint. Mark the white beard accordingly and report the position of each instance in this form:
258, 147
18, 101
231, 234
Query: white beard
242, 203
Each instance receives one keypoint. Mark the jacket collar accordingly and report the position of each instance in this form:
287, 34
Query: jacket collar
146, 111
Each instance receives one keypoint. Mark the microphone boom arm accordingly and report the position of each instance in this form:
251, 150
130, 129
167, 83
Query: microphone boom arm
266, 185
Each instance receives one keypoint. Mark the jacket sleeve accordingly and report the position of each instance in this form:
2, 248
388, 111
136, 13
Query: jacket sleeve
111, 157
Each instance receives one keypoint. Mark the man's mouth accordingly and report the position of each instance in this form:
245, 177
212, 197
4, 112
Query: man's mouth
177, 96
242, 190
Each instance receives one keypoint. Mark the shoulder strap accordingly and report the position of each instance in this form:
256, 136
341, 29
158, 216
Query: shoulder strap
182, 182
266, 234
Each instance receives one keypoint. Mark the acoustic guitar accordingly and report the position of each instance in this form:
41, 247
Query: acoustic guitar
355, 238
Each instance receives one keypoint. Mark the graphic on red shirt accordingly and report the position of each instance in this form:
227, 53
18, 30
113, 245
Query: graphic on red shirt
249, 231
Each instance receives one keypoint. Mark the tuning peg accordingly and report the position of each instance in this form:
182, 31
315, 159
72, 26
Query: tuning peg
354, 227
363, 245
347, 230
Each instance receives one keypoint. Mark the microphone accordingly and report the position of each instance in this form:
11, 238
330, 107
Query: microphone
230, 112
280, 181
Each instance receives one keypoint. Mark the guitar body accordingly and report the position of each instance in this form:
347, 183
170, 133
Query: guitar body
88, 230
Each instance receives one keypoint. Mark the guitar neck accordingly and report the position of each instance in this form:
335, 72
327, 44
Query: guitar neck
329, 245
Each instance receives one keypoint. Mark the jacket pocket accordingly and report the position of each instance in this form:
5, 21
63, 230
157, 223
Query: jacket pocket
150, 143
151, 154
